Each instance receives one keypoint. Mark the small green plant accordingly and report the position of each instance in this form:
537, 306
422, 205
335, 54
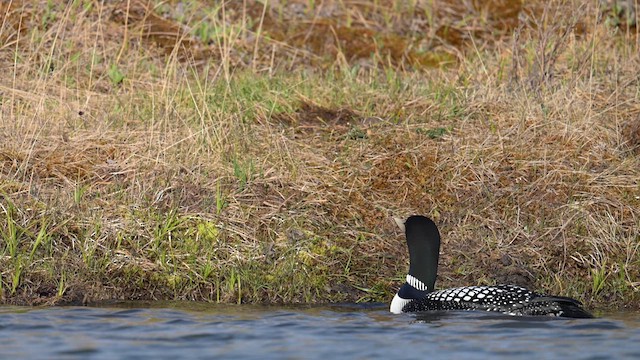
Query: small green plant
16, 275
42, 237
78, 193
169, 224
205, 32
234, 279
208, 33
62, 285
242, 171
619, 15
11, 235
87, 5
220, 200
115, 74
161, 244
49, 15
599, 277
356, 133
207, 231
207, 270
88, 249
434, 133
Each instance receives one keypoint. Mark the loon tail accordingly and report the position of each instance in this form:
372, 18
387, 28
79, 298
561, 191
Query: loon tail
571, 308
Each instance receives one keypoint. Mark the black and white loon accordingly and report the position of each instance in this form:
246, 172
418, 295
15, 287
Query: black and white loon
417, 294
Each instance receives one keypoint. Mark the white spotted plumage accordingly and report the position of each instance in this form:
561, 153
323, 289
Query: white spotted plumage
500, 295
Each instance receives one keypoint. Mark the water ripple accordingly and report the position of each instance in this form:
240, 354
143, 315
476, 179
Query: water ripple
346, 331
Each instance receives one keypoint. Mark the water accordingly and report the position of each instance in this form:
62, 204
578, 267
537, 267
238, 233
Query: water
360, 332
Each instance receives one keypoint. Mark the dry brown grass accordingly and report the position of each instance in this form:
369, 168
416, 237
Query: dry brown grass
168, 150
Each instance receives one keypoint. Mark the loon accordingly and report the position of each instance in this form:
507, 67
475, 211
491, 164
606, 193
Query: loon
417, 293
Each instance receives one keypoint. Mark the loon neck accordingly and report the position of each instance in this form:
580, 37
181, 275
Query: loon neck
417, 283
423, 241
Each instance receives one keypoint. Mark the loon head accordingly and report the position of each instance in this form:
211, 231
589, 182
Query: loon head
423, 241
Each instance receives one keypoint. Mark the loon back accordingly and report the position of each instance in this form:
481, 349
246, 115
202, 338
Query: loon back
507, 299
417, 294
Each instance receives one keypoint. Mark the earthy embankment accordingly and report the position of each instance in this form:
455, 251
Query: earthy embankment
255, 151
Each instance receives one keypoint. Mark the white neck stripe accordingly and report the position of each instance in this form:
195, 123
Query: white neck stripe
416, 283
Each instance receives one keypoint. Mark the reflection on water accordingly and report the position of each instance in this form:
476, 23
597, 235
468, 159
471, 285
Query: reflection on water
206, 331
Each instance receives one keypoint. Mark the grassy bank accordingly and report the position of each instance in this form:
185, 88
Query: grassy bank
255, 152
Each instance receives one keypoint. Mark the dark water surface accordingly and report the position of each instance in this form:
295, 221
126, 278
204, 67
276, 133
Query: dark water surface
174, 331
